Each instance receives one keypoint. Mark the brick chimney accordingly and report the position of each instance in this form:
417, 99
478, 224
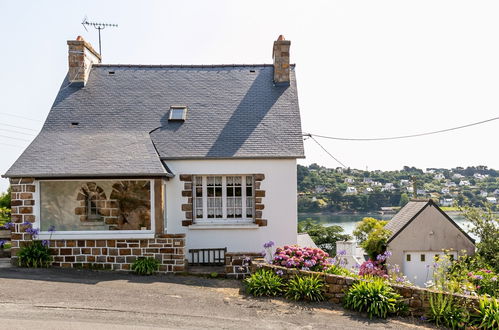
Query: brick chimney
280, 55
81, 56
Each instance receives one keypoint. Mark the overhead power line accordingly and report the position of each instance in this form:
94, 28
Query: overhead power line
320, 145
29, 129
14, 131
402, 136
13, 138
22, 117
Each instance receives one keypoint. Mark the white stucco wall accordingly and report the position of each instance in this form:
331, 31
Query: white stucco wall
280, 204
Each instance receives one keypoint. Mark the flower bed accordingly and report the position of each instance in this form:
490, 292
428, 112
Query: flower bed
336, 286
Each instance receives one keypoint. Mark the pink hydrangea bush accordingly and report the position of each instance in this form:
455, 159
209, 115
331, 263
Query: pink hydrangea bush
372, 268
294, 256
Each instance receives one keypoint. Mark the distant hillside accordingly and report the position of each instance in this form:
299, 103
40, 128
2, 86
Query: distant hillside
323, 189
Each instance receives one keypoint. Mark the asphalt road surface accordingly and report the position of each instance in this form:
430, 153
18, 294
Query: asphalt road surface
80, 299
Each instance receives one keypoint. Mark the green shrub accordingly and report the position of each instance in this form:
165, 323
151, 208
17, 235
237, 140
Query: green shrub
264, 283
375, 297
309, 288
444, 311
487, 314
145, 266
338, 270
35, 254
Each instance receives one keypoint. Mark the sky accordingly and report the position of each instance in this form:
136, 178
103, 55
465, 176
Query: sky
364, 68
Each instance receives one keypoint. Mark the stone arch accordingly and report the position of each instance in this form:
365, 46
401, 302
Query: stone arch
92, 203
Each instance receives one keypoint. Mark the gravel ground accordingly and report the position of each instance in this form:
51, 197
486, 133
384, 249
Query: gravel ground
81, 299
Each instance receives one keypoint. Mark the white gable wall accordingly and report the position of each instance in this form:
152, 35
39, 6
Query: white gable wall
280, 204
430, 231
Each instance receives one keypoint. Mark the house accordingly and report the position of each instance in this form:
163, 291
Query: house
349, 180
479, 176
438, 176
320, 189
352, 256
368, 190
420, 192
367, 180
450, 184
483, 193
464, 183
404, 182
176, 162
457, 176
351, 191
446, 202
445, 190
419, 233
496, 192
491, 200
409, 189
376, 184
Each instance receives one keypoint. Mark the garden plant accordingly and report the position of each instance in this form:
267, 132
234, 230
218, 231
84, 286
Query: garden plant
264, 283
310, 288
145, 266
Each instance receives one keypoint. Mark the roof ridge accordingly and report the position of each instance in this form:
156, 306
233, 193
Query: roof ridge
184, 65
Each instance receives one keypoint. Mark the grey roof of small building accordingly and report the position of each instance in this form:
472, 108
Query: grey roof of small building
404, 216
410, 212
234, 111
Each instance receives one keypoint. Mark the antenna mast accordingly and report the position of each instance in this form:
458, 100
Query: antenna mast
99, 27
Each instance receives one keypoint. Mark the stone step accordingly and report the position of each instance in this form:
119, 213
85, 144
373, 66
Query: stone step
5, 263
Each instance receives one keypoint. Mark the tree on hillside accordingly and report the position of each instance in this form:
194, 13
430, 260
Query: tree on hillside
325, 237
404, 199
5, 199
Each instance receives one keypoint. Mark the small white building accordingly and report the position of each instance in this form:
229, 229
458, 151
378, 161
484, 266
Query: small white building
404, 182
351, 191
464, 183
483, 193
367, 180
491, 200
457, 176
349, 180
439, 176
352, 256
368, 190
446, 202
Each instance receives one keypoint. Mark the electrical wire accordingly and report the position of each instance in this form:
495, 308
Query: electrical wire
29, 129
14, 131
14, 138
17, 116
320, 145
402, 136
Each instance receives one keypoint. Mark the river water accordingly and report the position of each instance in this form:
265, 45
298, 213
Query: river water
348, 221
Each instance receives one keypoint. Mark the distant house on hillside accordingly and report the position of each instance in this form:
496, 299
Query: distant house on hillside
404, 182
450, 184
367, 180
420, 192
368, 190
496, 192
320, 189
446, 202
349, 180
445, 190
351, 191
479, 176
483, 193
491, 200
457, 176
439, 176
420, 232
464, 183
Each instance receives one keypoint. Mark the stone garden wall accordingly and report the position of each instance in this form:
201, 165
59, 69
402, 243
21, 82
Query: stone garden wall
336, 287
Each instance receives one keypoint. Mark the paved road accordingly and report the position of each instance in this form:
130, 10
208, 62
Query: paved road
70, 299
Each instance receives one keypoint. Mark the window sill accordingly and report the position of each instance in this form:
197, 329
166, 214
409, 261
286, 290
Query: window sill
104, 234
223, 226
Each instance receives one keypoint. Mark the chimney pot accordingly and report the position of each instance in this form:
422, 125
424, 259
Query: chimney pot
280, 55
81, 57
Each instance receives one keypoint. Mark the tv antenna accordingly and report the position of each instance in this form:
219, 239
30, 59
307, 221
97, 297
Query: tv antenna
98, 26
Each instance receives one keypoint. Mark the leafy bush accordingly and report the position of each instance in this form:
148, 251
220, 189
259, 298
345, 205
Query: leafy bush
35, 254
264, 283
325, 237
145, 266
485, 281
309, 288
444, 311
487, 316
375, 297
304, 258
338, 270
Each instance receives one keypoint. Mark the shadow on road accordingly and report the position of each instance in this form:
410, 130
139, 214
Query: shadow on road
90, 277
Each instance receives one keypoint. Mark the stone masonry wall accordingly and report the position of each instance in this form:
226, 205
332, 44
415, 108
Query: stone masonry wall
336, 287
113, 254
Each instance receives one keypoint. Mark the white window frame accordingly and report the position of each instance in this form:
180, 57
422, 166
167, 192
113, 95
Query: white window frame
224, 219
177, 108
94, 234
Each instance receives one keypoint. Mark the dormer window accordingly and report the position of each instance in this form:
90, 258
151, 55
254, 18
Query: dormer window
178, 113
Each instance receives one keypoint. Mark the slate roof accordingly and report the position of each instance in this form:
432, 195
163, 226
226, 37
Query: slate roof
234, 111
404, 216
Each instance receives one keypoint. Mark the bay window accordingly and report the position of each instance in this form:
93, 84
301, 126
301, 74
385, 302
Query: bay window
95, 206
223, 198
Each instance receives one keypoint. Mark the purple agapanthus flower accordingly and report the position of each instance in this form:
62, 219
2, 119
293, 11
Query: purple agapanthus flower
268, 245
26, 223
9, 225
45, 242
32, 231
342, 252
279, 272
2, 244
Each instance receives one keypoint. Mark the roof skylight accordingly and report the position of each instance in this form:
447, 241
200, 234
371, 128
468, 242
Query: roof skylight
178, 113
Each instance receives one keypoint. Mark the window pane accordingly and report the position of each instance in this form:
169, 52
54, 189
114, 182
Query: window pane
237, 191
99, 205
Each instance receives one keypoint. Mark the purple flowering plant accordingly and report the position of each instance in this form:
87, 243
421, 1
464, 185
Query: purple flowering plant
294, 256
